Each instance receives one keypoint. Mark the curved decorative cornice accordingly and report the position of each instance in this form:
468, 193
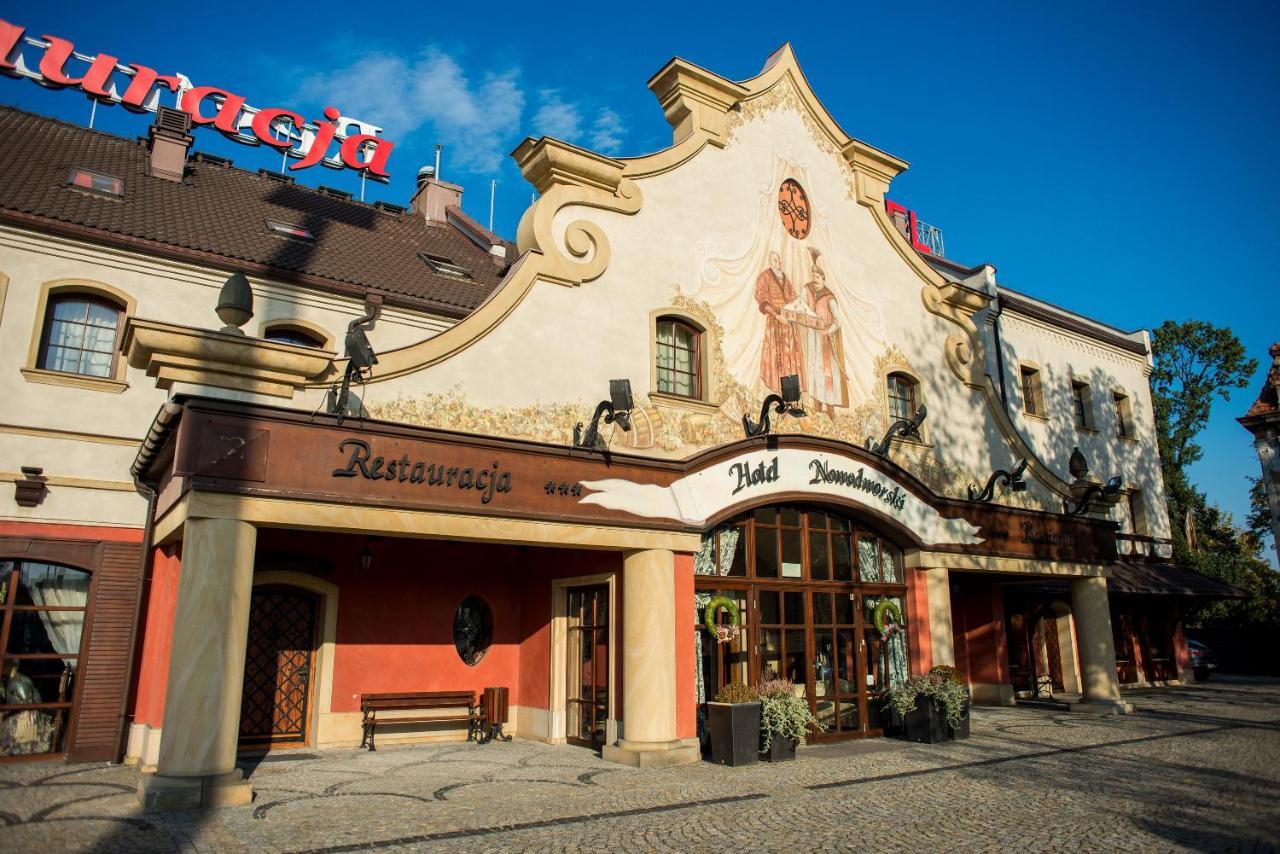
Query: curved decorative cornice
565, 175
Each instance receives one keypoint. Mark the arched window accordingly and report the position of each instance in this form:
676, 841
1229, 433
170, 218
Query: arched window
291, 334
679, 355
821, 601
42, 609
79, 336
902, 397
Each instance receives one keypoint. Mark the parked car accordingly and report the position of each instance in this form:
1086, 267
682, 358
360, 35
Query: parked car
1203, 661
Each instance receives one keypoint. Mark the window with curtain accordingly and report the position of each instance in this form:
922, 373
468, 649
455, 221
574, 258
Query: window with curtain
902, 397
679, 358
293, 335
79, 335
44, 608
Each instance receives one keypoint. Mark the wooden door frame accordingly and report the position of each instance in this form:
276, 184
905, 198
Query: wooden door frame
595, 628
323, 650
557, 721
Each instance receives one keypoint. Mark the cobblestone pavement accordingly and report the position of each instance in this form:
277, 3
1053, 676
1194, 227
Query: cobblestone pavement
1197, 768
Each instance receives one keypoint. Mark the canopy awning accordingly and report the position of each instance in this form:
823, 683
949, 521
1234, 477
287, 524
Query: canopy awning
1167, 579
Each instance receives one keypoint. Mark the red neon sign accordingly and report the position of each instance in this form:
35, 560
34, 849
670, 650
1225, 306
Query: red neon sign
226, 112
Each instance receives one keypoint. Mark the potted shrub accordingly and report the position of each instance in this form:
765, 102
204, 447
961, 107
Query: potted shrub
950, 674
785, 719
931, 705
734, 721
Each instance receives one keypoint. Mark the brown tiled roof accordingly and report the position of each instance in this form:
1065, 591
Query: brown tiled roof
1167, 579
1268, 402
217, 217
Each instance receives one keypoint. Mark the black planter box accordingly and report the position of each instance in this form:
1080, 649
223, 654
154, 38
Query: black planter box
735, 733
780, 750
926, 723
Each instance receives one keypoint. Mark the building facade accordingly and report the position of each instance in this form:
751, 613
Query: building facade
886, 460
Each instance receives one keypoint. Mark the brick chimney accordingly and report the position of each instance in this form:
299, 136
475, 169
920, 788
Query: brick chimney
169, 139
434, 197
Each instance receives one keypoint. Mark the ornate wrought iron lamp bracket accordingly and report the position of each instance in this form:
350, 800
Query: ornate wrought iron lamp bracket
1010, 479
615, 410
903, 428
787, 403
1094, 491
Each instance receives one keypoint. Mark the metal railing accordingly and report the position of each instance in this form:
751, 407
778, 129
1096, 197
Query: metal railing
931, 236
1143, 547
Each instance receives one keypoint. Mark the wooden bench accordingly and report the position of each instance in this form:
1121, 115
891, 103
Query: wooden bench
435, 706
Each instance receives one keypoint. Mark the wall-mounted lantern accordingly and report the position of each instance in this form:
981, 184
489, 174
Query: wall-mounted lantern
788, 403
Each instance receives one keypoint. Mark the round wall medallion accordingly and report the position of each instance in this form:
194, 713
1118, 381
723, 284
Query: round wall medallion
472, 629
793, 207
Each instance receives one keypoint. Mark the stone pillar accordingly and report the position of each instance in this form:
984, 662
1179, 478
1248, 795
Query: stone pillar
197, 762
1092, 614
937, 585
649, 665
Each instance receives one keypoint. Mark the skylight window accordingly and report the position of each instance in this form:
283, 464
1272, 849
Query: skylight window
444, 266
95, 182
286, 229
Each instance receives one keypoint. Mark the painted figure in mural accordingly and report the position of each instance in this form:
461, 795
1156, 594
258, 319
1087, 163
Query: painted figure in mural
782, 355
824, 353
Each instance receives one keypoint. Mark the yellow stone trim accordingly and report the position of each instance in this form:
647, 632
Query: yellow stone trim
4, 291
956, 561
172, 353
313, 329
318, 516
557, 711
695, 100
89, 287
76, 482
69, 380
326, 638
72, 435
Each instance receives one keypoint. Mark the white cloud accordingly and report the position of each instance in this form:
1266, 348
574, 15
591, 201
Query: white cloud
478, 121
477, 116
607, 132
556, 118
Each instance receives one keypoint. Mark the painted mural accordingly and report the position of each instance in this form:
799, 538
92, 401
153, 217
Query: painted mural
791, 306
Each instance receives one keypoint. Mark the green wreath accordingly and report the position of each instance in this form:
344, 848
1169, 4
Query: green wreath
714, 606
887, 607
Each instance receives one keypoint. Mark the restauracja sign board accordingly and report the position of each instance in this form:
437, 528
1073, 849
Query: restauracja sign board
306, 142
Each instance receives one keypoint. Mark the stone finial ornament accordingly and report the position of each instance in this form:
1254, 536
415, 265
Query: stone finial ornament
235, 304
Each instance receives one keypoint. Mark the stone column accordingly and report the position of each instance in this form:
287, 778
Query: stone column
649, 665
197, 762
937, 585
1092, 614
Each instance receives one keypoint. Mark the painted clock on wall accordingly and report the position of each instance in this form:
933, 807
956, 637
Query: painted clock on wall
793, 207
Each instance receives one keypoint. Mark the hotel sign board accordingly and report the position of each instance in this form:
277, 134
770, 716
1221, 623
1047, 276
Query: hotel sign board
138, 88
249, 450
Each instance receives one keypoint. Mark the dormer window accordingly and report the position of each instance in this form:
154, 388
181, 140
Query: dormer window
96, 182
445, 267
286, 229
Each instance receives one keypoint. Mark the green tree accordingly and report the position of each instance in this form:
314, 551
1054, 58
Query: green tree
1195, 362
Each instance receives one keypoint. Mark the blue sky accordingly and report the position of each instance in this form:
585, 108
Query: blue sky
1114, 159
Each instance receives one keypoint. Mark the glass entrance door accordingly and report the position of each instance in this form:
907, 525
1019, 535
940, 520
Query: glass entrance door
837, 667
587, 698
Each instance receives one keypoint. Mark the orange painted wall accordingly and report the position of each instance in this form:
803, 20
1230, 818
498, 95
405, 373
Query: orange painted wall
920, 648
686, 690
977, 614
157, 636
395, 622
71, 532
